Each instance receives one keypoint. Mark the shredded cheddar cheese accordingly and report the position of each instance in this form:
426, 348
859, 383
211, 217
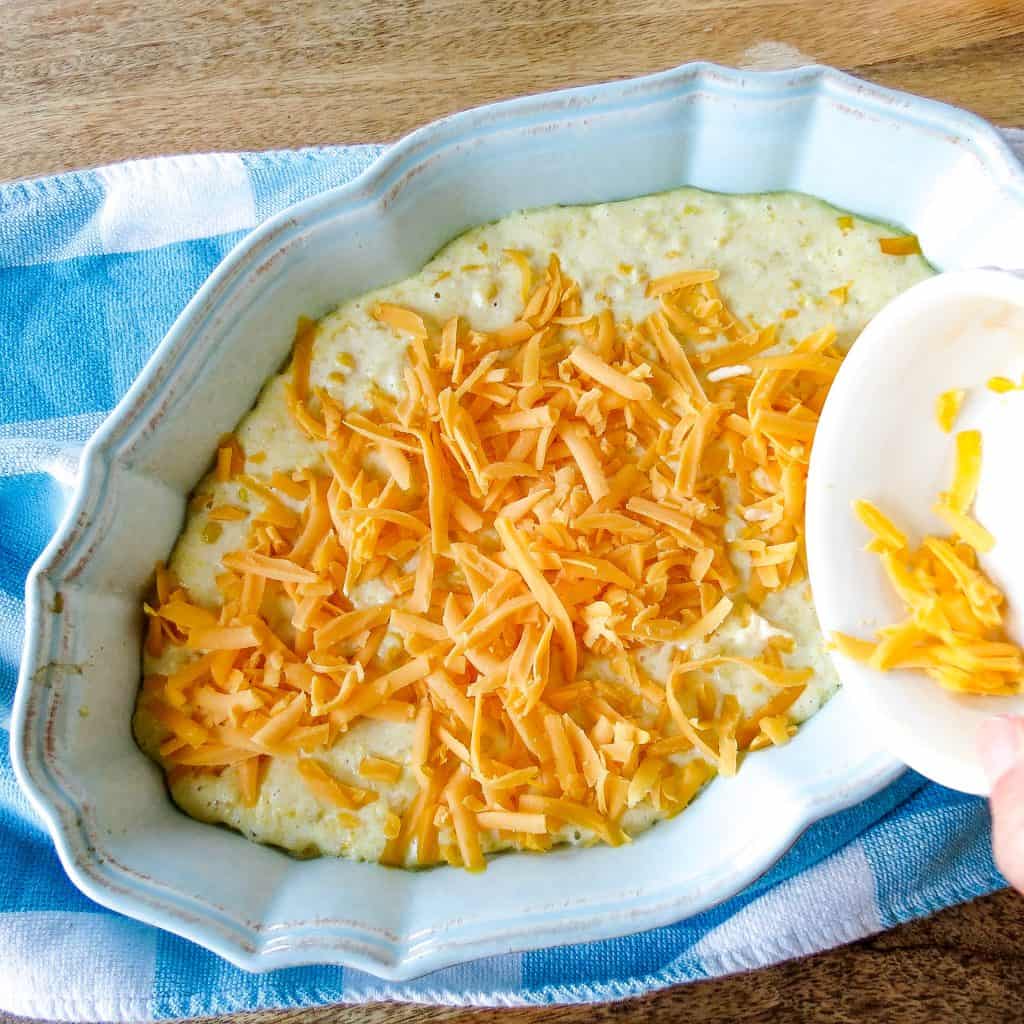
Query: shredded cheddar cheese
947, 408
966, 471
1003, 385
903, 245
544, 495
954, 630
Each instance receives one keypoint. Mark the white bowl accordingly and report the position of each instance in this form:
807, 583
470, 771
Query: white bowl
938, 171
878, 439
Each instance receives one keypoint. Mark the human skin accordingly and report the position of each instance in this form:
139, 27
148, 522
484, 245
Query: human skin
1001, 746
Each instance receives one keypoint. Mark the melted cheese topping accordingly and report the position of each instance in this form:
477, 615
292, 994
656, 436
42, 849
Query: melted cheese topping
512, 553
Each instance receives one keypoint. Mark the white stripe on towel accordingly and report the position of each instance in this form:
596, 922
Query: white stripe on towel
48, 955
829, 904
150, 203
46, 446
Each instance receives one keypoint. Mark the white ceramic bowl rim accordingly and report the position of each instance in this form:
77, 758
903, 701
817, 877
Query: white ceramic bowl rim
390, 955
904, 351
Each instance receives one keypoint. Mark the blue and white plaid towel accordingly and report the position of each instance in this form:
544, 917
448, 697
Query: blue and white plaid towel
93, 269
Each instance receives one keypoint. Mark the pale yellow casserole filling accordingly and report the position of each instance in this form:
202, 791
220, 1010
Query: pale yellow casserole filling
783, 260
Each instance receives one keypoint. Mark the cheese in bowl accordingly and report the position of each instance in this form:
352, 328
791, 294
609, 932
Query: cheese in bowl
511, 553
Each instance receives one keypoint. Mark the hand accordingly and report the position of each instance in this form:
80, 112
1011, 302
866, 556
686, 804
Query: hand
1001, 746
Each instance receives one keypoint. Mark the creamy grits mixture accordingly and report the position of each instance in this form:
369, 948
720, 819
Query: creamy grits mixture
275, 745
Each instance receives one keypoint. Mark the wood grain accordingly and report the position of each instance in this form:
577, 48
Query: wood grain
90, 82
84, 83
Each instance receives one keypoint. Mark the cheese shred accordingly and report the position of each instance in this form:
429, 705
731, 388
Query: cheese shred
954, 627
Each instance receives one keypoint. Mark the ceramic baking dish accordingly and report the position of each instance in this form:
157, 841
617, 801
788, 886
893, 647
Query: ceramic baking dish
935, 170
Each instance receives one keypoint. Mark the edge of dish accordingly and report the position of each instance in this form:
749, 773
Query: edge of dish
391, 958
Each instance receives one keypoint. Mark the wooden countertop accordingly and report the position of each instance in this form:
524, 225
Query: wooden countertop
91, 82
85, 83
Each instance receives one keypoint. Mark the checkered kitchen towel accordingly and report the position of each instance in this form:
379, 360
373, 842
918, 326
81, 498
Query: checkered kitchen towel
93, 269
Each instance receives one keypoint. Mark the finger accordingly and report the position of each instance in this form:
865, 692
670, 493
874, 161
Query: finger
1008, 824
1001, 748
1000, 742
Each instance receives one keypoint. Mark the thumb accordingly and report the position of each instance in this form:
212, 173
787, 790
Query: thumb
1001, 749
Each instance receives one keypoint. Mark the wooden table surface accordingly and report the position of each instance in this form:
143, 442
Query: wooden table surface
85, 83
